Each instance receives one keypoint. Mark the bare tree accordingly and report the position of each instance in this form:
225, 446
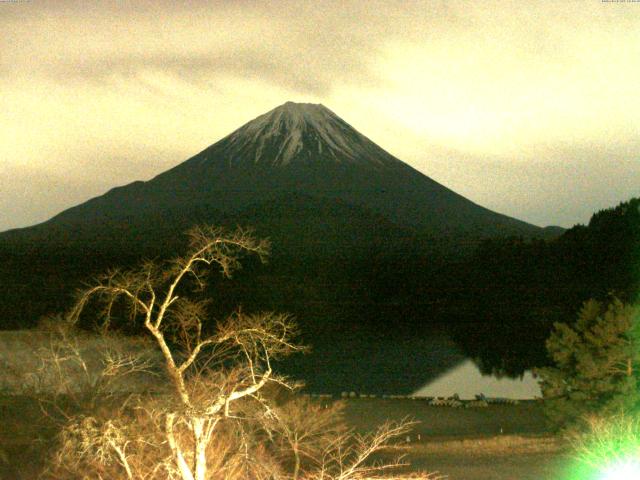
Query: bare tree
202, 397
77, 371
347, 456
302, 430
215, 420
314, 434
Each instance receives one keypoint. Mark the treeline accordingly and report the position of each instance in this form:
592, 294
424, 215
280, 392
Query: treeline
517, 289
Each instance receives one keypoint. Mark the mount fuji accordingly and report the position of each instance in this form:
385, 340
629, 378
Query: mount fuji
298, 156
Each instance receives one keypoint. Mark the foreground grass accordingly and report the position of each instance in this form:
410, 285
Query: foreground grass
526, 418
492, 458
499, 442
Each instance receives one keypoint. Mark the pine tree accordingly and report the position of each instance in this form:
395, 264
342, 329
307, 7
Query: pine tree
597, 364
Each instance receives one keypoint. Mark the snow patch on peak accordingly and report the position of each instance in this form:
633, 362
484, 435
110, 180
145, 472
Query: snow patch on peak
302, 132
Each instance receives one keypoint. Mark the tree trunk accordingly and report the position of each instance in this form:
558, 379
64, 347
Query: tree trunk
183, 467
296, 468
200, 439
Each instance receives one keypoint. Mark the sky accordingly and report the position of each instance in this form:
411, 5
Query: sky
527, 108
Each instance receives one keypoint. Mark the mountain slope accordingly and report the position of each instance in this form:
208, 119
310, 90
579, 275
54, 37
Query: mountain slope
294, 149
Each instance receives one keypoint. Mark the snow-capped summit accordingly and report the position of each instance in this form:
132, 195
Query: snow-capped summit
301, 132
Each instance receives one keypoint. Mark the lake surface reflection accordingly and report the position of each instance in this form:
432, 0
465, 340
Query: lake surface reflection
395, 362
467, 381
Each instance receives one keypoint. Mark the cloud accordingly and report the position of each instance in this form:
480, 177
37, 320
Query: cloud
31, 194
564, 186
458, 89
248, 64
203, 43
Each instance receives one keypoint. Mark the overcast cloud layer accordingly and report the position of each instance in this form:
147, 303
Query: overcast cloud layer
530, 109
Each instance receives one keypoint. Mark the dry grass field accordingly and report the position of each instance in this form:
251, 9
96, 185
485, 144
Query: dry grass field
507, 457
499, 442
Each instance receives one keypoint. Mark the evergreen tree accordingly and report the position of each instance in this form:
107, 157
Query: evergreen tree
597, 364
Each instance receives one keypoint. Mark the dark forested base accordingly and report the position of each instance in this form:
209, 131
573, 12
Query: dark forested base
370, 303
